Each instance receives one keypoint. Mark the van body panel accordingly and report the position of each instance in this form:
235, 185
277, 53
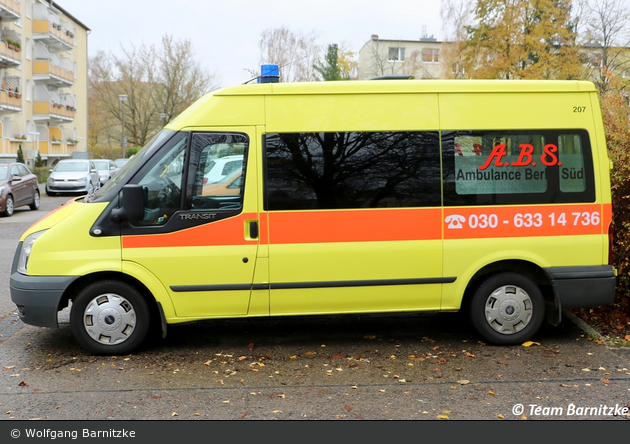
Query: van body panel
220, 111
505, 110
358, 112
80, 253
52, 218
154, 285
353, 253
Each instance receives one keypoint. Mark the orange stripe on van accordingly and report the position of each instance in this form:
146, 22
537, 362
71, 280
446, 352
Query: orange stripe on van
364, 225
382, 225
222, 232
525, 221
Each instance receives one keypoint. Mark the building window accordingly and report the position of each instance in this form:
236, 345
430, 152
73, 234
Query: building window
28, 48
396, 54
29, 90
430, 55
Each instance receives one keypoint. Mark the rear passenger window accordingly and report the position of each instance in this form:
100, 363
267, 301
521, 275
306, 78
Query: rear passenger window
517, 167
351, 170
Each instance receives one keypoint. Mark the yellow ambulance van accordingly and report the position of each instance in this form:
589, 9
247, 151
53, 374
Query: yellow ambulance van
490, 197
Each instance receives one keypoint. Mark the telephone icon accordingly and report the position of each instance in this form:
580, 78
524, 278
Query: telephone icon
454, 221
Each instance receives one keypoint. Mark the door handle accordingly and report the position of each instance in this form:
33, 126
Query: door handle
252, 228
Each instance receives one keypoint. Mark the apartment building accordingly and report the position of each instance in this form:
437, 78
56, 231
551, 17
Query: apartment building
383, 57
43, 75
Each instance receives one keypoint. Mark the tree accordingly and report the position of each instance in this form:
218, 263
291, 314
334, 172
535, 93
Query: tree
607, 37
39, 162
330, 69
521, 39
182, 78
157, 81
295, 54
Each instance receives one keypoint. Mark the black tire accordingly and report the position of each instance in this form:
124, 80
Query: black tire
507, 309
109, 318
36, 201
9, 206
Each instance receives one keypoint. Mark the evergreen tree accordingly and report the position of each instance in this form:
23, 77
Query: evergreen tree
20, 154
330, 70
38, 161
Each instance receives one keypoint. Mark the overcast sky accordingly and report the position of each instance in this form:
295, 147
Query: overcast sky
225, 33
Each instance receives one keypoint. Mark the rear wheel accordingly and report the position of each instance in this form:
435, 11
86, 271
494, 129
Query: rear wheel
9, 206
507, 309
109, 317
36, 200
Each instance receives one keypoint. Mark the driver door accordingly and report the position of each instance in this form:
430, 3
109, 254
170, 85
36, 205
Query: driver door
201, 243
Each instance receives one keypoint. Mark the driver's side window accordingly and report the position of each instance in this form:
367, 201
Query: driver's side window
217, 171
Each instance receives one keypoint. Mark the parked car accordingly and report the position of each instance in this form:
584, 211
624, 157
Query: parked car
120, 162
218, 169
73, 176
229, 185
18, 187
106, 169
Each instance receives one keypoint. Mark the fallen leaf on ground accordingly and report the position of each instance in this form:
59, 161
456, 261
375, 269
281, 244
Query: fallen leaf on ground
530, 343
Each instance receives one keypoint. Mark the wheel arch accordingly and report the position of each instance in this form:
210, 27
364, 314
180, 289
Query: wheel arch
528, 269
75, 288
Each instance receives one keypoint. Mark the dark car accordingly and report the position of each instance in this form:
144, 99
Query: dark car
18, 187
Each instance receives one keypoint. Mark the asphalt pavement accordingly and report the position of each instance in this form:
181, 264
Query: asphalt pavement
428, 366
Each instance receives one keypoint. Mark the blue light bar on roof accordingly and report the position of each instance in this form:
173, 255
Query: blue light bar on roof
269, 74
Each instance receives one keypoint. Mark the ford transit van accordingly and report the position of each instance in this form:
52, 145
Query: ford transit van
488, 197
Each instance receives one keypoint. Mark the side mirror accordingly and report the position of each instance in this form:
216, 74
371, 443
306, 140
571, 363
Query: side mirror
131, 204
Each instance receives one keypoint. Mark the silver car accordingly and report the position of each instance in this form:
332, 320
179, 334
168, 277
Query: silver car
106, 169
76, 176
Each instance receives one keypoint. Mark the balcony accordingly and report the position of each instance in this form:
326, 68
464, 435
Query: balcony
53, 112
9, 57
53, 35
45, 71
9, 10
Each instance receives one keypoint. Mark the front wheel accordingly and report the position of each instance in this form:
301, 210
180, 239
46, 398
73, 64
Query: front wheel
507, 309
109, 317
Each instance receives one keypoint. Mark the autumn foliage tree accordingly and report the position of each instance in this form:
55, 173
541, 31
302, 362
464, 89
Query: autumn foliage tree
616, 115
521, 39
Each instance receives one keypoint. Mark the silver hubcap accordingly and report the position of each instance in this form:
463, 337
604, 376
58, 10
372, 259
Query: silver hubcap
109, 319
509, 309
9, 206
36, 199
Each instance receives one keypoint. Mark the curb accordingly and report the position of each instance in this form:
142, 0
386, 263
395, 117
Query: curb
581, 324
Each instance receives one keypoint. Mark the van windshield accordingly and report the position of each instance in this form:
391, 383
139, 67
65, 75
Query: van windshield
158, 140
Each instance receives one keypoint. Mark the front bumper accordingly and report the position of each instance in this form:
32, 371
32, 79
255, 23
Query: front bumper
67, 187
38, 298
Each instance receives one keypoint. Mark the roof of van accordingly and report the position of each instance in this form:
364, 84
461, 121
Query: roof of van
201, 111
407, 86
